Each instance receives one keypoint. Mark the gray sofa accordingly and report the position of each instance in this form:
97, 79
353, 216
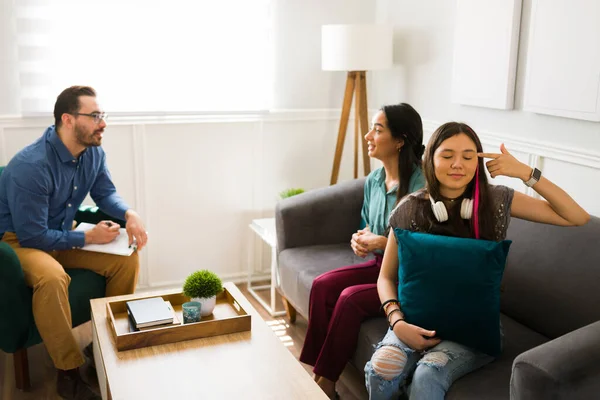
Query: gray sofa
550, 304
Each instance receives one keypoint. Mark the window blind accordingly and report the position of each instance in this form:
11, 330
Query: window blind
146, 56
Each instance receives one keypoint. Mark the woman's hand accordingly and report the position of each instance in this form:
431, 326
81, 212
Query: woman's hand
505, 164
415, 337
558, 208
359, 249
364, 241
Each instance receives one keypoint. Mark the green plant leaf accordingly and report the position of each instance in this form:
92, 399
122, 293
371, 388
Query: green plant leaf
203, 284
290, 192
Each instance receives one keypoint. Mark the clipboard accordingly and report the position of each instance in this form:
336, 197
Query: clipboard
119, 246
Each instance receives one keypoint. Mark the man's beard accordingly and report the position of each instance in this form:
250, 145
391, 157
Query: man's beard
84, 138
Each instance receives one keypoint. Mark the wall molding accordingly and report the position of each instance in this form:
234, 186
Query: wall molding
3, 156
237, 277
139, 168
581, 157
276, 115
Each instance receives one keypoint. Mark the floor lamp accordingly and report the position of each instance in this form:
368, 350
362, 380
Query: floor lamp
355, 49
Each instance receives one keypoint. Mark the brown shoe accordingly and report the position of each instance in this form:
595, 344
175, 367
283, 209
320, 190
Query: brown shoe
70, 386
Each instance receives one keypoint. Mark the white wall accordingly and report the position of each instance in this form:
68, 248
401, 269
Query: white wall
9, 76
424, 46
567, 150
199, 181
299, 81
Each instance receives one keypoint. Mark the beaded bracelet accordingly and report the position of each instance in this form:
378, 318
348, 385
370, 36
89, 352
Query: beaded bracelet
391, 312
390, 301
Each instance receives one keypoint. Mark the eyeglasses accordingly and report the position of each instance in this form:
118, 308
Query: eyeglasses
97, 116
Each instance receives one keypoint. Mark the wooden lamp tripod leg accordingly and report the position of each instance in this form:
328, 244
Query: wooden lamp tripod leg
356, 81
349, 93
364, 119
357, 107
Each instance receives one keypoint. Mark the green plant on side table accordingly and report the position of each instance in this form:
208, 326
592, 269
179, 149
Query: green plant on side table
203, 286
290, 192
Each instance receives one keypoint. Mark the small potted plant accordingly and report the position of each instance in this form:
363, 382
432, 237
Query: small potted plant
203, 286
290, 192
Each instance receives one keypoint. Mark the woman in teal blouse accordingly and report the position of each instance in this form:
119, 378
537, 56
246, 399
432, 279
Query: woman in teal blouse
344, 297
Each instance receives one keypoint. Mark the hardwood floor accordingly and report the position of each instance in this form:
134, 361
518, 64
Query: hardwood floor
293, 335
43, 373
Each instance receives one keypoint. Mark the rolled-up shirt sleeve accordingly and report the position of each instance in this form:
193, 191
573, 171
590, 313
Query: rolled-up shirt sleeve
28, 198
104, 193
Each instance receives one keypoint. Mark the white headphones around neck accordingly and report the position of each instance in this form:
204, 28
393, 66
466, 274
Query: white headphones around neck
441, 214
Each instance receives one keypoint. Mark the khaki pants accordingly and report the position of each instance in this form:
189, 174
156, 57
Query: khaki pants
45, 273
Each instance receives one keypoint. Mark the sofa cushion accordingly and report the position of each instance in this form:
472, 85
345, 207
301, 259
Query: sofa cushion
490, 382
371, 332
452, 285
493, 381
299, 266
552, 276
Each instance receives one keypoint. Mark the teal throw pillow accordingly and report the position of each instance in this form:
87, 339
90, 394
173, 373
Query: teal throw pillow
452, 285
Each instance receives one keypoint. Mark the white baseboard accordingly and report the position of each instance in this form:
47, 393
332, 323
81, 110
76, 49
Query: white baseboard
237, 278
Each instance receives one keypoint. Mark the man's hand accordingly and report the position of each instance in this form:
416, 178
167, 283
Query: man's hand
103, 232
136, 229
415, 337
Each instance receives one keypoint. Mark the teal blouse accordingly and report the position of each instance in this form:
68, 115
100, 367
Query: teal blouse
378, 203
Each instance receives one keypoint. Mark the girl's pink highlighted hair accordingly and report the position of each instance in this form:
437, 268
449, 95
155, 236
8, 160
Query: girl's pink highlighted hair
476, 204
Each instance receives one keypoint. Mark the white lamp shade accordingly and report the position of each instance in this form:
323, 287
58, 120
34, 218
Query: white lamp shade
356, 47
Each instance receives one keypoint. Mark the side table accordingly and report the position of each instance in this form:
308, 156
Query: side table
265, 229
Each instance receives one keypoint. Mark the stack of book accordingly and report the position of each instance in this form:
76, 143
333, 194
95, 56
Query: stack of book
151, 313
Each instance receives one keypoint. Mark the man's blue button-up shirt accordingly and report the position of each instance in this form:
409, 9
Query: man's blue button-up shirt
42, 187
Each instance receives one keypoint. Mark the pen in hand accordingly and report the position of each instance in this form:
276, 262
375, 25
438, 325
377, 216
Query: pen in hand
133, 245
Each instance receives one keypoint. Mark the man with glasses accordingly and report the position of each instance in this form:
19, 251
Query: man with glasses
41, 189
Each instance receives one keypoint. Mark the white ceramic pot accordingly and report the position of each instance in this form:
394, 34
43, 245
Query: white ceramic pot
208, 305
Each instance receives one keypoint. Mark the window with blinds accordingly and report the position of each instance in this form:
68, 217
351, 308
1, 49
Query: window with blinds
146, 56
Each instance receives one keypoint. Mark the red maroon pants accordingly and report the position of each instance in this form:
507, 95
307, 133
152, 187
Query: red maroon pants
340, 300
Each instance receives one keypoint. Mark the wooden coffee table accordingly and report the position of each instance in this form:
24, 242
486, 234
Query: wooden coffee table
247, 365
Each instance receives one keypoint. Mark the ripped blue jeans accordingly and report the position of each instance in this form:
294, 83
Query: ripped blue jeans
397, 370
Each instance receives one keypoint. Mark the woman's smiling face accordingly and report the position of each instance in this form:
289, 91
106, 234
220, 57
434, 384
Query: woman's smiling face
381, 144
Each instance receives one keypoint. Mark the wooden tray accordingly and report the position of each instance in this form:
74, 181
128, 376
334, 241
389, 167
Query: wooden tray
227, 317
